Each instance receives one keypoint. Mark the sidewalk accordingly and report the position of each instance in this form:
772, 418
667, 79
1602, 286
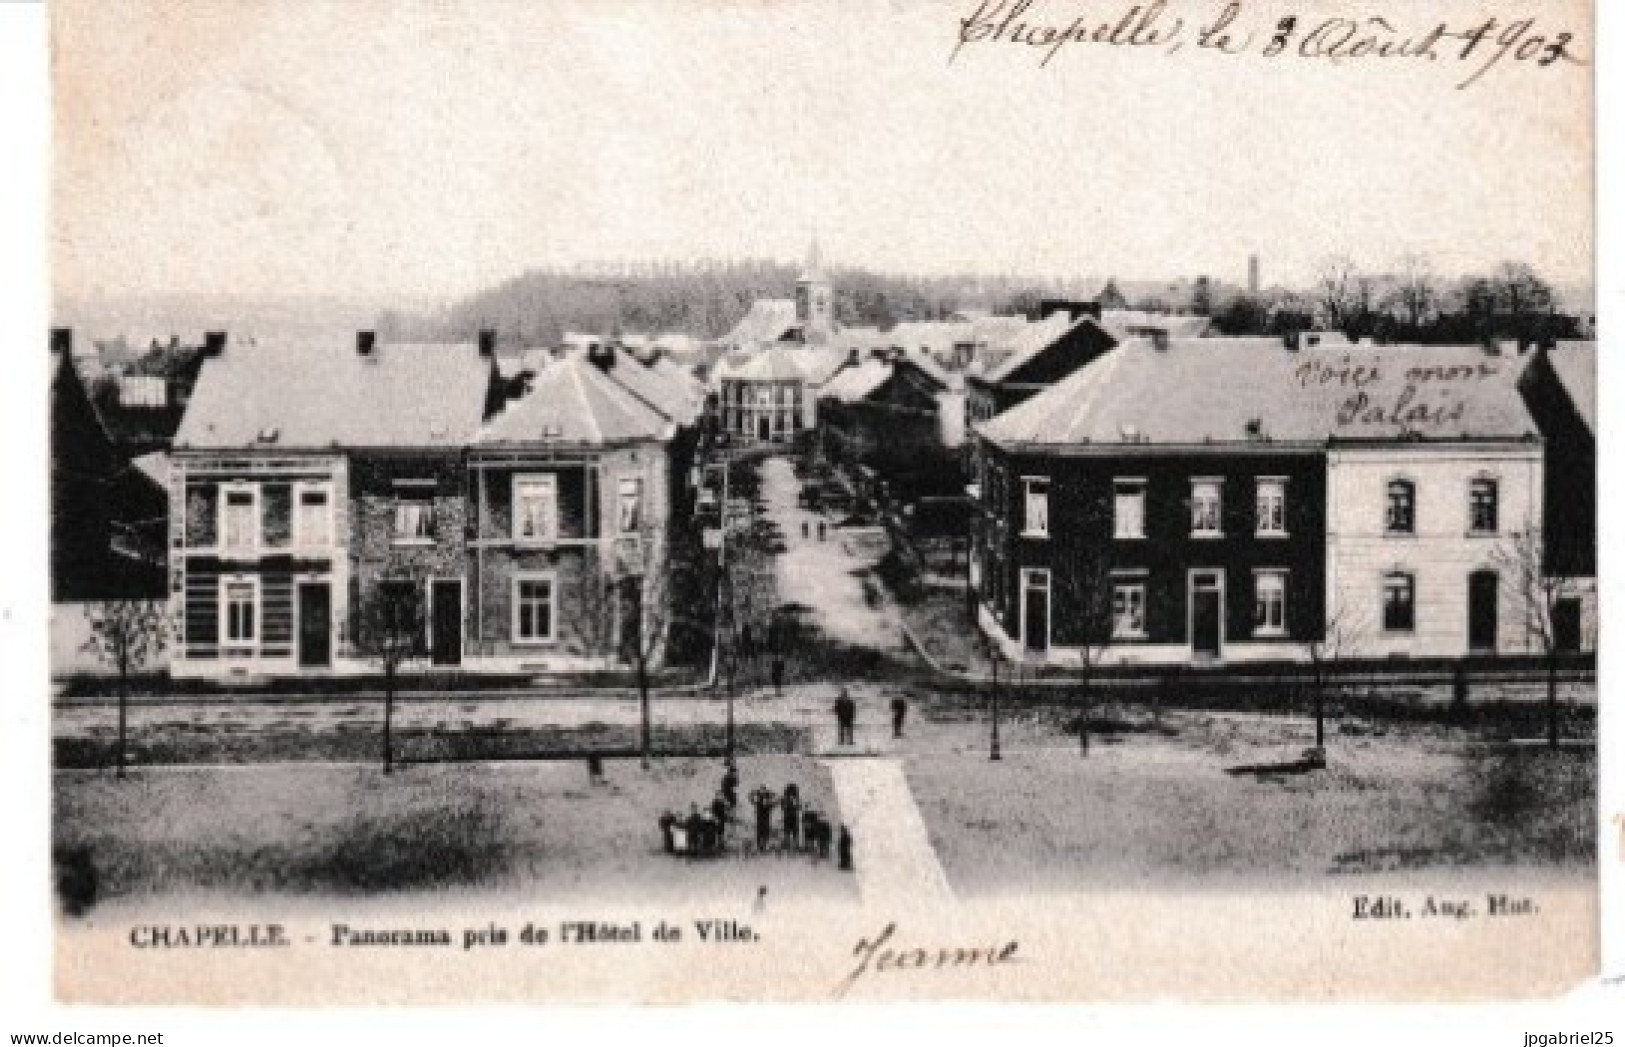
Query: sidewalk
895, 862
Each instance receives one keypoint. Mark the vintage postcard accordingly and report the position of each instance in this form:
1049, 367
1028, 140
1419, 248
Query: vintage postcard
993, 500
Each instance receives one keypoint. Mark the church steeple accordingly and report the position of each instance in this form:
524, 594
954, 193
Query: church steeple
814, 298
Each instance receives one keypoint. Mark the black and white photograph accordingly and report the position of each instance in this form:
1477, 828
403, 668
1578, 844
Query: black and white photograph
997, 500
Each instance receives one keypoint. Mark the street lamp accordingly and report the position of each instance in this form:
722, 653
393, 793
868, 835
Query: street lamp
993, 748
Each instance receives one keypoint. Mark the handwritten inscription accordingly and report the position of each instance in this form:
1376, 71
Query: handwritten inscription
881, 955
1234, 28
1432, 396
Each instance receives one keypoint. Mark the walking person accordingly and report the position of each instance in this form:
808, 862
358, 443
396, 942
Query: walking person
844, 850
764, 801
809, 831
791, 806
730, 788
899, 711
820, 530
846, 713
668, 842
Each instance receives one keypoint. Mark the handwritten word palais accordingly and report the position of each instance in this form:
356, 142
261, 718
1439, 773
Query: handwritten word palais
1233, 29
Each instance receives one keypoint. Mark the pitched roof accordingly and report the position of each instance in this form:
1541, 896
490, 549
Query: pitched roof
852, 384
767, 321
1201, 391
1032, 340
1137, 321
822, 364
327, 395
1576, 366
573, 402
670, 396
774, 364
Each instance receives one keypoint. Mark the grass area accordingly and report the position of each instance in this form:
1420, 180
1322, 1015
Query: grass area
1152, 802
355, 735
541, 829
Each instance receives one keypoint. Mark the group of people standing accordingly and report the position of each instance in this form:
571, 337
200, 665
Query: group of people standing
803, 829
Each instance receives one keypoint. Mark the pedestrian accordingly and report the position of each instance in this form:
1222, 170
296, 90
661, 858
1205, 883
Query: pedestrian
778, 677
809, 831
730, 787
719, 812
668, 822
824, 831
694, 830
820, 530
763, 800
844, 849
759, 907
804, 529
846, 712
791, 806
899, 711
595, 769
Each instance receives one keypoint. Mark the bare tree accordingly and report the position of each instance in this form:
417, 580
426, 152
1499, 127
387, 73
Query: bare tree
1340, 637
1415, 293
1088, 601
125, 635
1337, 291
1537, 596
392, 630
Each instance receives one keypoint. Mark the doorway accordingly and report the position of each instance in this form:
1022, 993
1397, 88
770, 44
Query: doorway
315, 625
1207, 615
1481, 611
1035, 609
446, 628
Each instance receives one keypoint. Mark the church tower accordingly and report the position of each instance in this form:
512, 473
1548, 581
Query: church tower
815, 302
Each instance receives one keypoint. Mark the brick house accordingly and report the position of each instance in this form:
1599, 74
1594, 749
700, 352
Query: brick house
288, 507
571, 505
1198, 500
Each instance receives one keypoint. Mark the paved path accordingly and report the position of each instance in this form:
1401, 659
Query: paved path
821, 574
896, 864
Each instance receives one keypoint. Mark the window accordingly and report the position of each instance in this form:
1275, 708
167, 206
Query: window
238, 605
1401, 507
314, 522
535, 508
631, 505
1205, 502
1399, 603
1483, 506
242, 519
1035, 520
1272, 506
414, 514
1128, 509
1128, 609
533, 609
1269, 603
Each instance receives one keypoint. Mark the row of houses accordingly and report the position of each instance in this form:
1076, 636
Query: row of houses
526, 518
1179, 501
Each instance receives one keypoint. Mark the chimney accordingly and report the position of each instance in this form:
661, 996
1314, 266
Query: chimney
365, 341
1290, 339
1159, 338
62, 341
1088, 309
214, 344
852, 356
601, 355
488, 342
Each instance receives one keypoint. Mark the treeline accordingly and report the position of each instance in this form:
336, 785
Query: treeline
1411, 304
706, 300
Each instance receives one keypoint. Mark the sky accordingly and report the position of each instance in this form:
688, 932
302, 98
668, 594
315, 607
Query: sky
371, 148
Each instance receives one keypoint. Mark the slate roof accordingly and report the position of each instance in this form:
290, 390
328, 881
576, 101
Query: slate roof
327, 395
671, 397
1202, 391
573, 402
1028, 343
855, 383
1576, 366
767, 321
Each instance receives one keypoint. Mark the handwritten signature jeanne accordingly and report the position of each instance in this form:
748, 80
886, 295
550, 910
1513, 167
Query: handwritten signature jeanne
1233, 29
881, 955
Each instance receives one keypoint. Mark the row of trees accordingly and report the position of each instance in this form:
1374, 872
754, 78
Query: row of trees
1412, 303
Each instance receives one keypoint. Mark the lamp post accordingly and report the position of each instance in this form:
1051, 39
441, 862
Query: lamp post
993, 748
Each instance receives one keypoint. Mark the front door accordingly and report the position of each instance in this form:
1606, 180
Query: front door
1207, 614
1481, 598
446, 647
1566, 624
1035, 610
315, 625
